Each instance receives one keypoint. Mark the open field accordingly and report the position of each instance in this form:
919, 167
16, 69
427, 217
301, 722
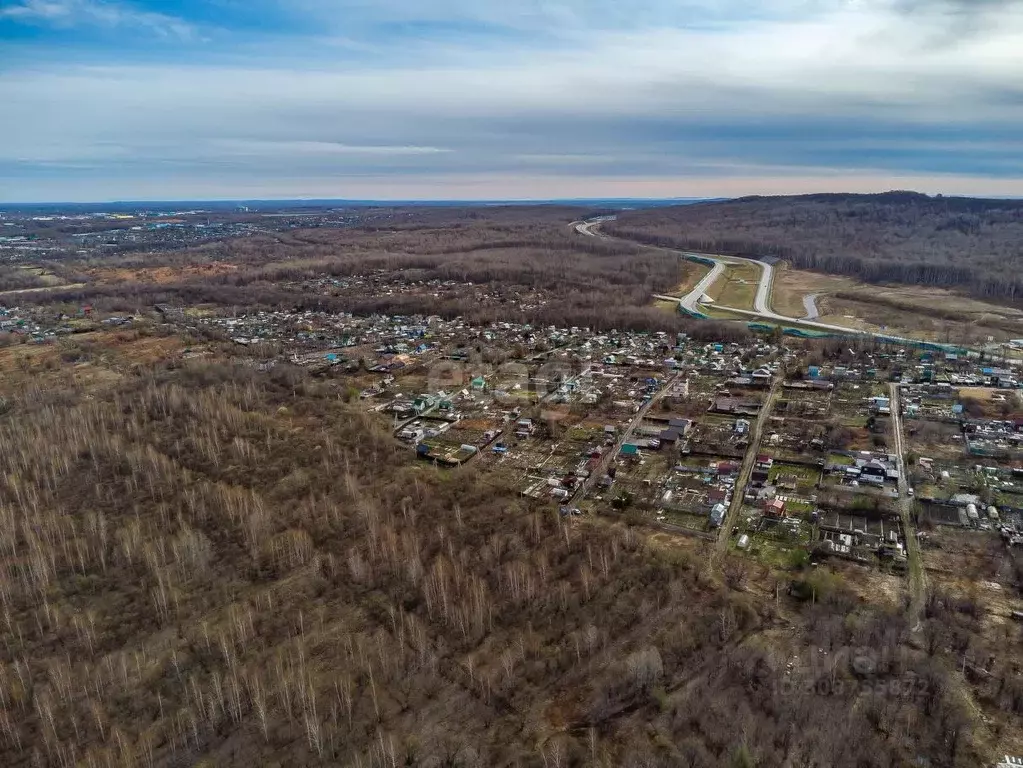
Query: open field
161, 274
791, 285
737, 287
41, 290
929, 313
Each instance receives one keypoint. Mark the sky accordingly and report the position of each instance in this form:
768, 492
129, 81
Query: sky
507, 99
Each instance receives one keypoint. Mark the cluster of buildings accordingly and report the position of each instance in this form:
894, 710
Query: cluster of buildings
40, 326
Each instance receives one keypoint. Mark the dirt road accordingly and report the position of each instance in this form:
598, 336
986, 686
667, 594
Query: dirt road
917, 578
587, 485
747, 466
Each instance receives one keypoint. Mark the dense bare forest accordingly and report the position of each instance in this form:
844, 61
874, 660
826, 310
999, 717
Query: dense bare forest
204, 562
209, 560
508, 252
898, 237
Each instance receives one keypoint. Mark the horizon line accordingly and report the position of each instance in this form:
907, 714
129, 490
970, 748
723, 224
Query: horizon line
467, 201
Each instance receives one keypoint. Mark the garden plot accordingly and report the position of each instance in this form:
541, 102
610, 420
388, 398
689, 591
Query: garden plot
863, 538
547, 470
850, 400
977, 582
645, 477
654, 486
796, 484
612, 395
934, 439
589, 431
512, 389
1010, 507
977, 567
942, 513
479, 432
936, 478
854, 424
803, 403
839, 490
666, 431
709, 466
880, 528
781, 542
989, 403
798, 440
946, 483
960, 560
721, 436
702, 391
451, 443
737, 402
938, 407
678, 516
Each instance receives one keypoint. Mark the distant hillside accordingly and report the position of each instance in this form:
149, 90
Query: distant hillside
900, 237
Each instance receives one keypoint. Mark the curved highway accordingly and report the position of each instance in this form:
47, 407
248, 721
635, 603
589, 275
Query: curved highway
586, 227
810, 304
761, 302
691, 301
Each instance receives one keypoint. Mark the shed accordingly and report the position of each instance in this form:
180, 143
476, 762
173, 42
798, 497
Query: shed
668, 436
681, 425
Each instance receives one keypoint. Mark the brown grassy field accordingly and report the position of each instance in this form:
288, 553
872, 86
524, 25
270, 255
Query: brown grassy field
737, 286
932, 313
162, 275
692, 273
791, 285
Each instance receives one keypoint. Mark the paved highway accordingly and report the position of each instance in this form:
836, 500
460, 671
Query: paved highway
763, 298
761, 303
691, 301
586, 227
810, 304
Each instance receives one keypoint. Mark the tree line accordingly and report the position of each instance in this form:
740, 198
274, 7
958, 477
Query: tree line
973, 245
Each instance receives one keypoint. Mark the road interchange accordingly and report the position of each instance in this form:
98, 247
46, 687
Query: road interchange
691, 303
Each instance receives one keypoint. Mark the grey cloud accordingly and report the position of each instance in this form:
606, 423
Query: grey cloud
845, 92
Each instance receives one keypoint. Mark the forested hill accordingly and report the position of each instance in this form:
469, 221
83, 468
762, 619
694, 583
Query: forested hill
902, 237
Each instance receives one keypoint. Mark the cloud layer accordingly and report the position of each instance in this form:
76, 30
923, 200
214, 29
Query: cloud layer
453, 99
90, 13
